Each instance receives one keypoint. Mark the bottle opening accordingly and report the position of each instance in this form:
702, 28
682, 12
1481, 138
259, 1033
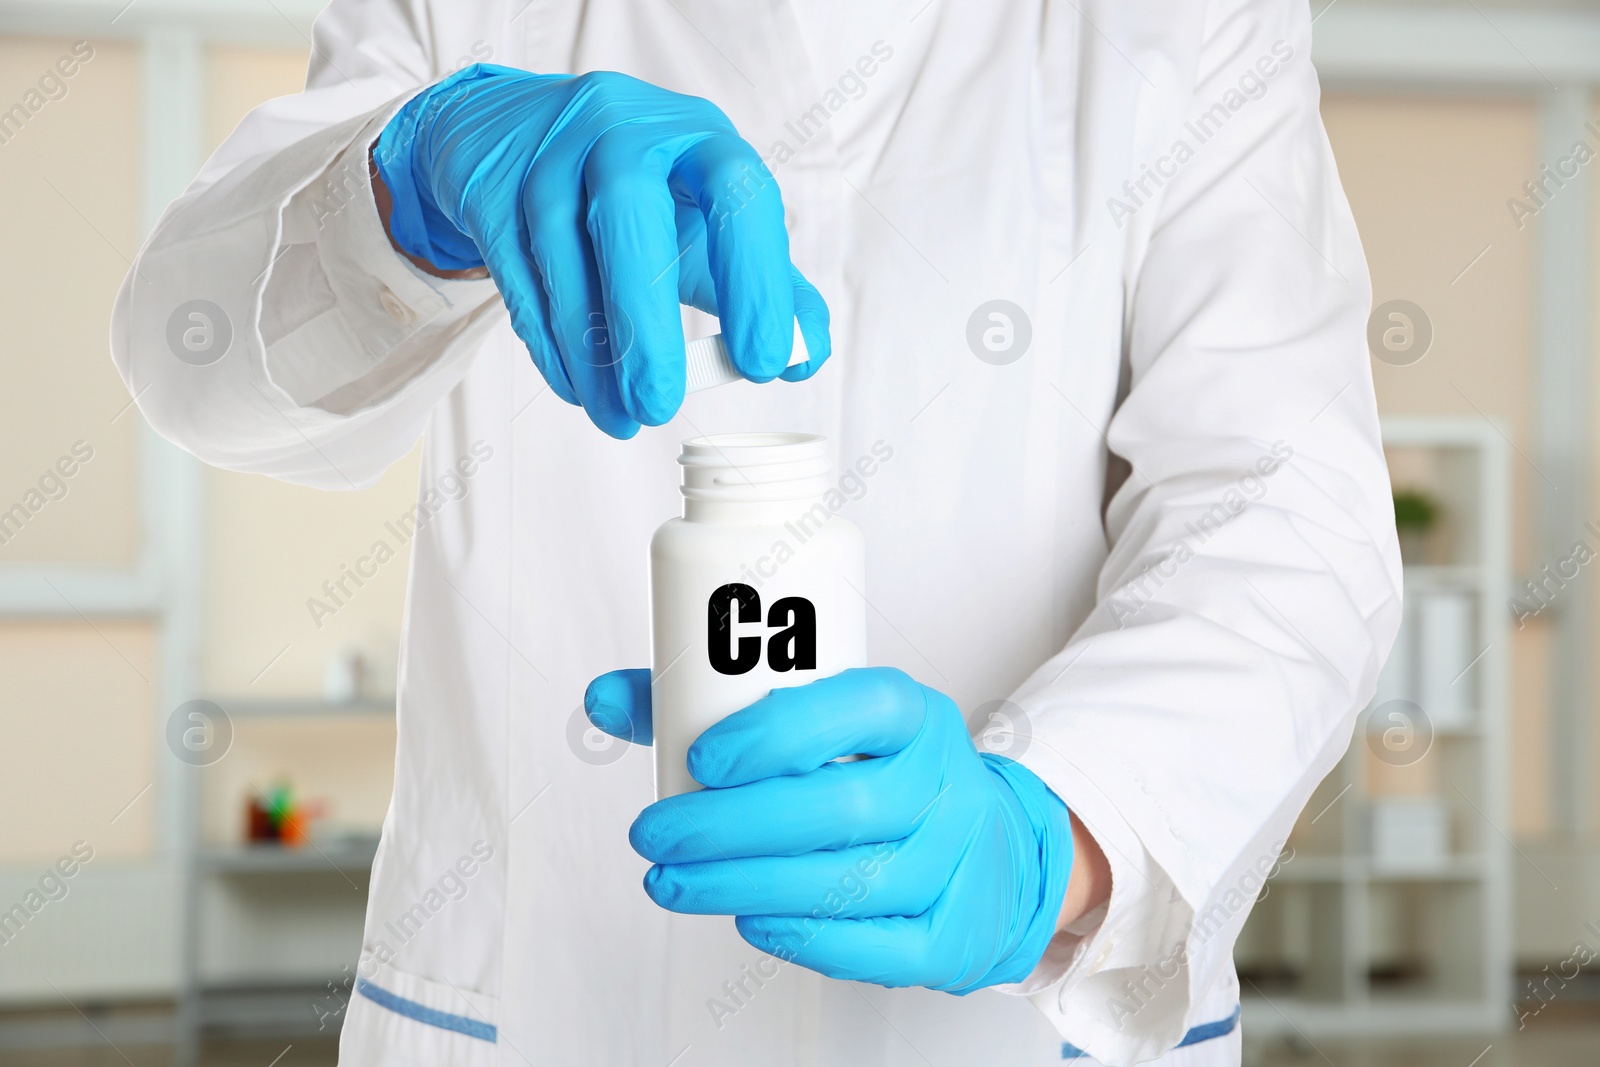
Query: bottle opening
755, 467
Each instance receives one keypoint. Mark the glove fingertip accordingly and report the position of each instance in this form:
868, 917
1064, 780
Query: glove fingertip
663, 890
610, 720
599, 689
651, 402
656, 833
616, 430
560, 386
755, 929
641, 839
801, 371
812, 316
770, 934
705, 767
530, 327
615, 706
612, 418
757, 359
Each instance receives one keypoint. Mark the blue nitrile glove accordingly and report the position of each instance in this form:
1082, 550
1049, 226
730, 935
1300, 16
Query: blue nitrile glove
599, 203
931, 865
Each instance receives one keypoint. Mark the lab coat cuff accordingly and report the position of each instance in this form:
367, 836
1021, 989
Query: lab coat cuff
1140, 930
387, 310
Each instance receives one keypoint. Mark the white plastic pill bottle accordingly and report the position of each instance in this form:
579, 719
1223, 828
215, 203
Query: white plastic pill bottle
759, 586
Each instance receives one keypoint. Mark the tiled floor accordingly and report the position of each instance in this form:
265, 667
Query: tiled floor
306, 1052
1557, 1038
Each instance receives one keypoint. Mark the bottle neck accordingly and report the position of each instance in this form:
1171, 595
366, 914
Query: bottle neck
753, 479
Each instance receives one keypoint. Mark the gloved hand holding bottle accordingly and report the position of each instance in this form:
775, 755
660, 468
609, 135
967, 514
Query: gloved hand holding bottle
599, 203
928, 865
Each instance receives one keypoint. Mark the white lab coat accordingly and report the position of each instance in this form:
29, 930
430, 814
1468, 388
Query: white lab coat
1186, 631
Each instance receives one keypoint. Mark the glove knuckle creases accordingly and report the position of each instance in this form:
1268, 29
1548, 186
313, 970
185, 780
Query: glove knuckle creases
666, 892
706, 767
857, 807
616, 150
646, 838
704, 113
548, 237
548, 195
615, 179
942, 710
604, 84
734, 175
892, 692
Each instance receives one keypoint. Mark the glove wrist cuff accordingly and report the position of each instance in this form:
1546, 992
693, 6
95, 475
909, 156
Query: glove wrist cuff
1050, 822
417, 224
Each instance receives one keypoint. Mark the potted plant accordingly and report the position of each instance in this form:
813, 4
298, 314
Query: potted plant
1415, 516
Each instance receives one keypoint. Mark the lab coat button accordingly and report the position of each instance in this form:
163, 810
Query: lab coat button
395, 309
1100, 958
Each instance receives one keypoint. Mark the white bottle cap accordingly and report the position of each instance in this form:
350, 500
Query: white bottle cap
707, 363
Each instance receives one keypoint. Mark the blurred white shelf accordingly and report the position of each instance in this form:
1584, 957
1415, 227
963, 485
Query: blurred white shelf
1307, 868
1390, 1013
1468, 730
1451, 869
1444, 576
333, 858
1357, 868
1326, 952
272, 1009
287, 708
261, 1002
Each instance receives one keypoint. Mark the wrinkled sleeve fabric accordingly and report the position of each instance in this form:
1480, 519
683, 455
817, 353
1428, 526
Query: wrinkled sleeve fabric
1252, 587
267, 324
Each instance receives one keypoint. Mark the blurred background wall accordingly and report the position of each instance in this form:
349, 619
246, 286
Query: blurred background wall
145, 580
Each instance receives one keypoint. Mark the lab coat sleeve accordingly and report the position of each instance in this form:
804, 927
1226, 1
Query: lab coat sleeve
267, 324
1252, 586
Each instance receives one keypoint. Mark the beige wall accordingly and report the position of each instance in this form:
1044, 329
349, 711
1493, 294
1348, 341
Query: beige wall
79, 721
239, 79
76, 756
272, 545
1428, 181
69, 181
78, 705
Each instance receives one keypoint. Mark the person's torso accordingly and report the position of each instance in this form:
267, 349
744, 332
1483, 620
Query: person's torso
945, 188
